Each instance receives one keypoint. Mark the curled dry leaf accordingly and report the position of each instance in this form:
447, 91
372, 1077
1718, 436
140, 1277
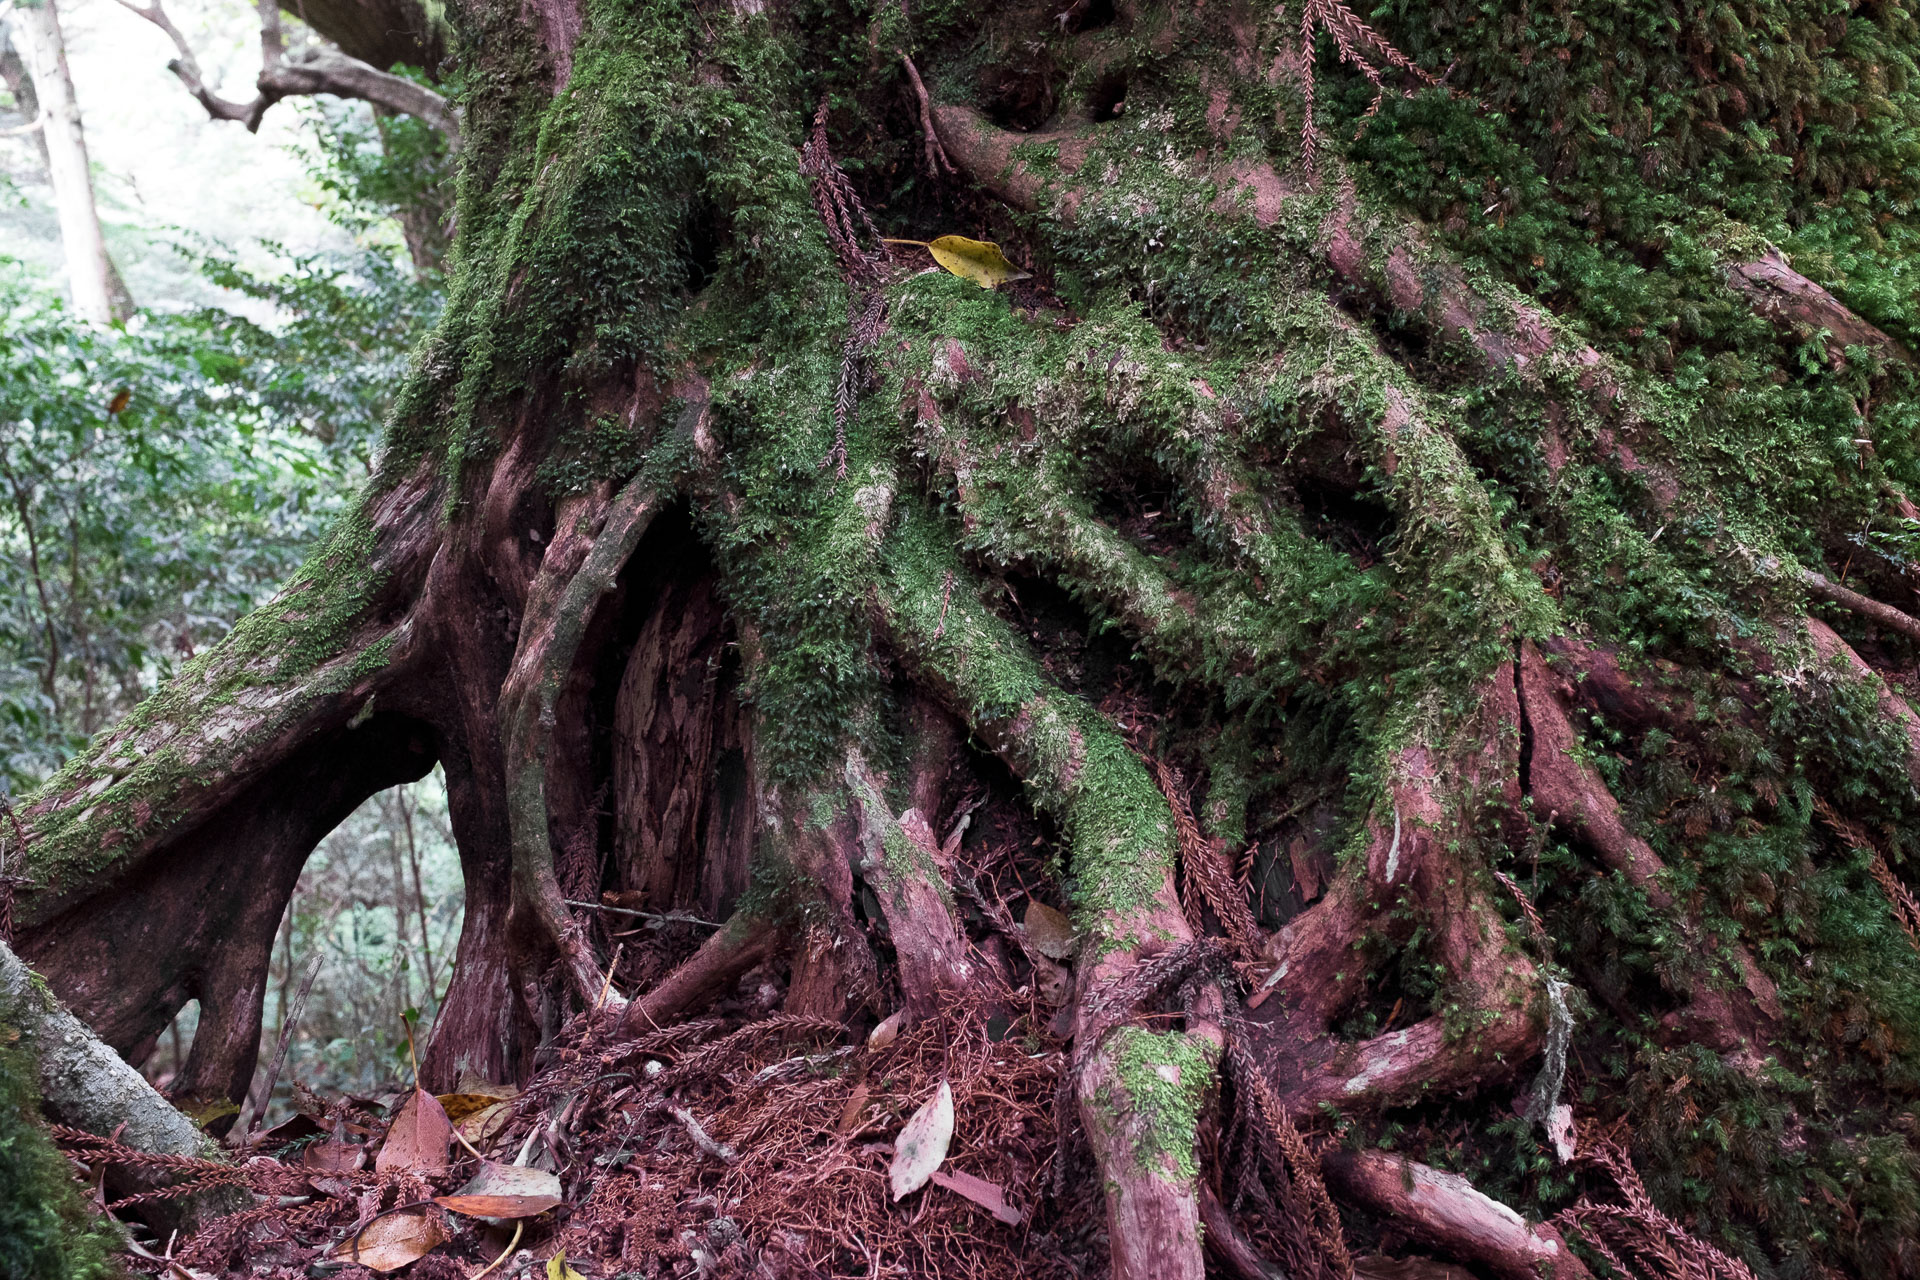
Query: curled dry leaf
505, 1191
1050, 932
471, 1102
1053, 982
392, 1242
418, 1140
922, 1144
888, 1031
482, 1126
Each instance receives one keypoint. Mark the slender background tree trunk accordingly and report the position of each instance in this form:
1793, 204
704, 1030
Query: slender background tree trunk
99, 294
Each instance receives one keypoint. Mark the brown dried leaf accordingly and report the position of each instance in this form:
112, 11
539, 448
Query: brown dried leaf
505, 1191
418, 1140
467, 1102
1053, 982
1050, 932
887, 1032
856, 1108
484, 1125
988, 1195
334, 1156
392, 1242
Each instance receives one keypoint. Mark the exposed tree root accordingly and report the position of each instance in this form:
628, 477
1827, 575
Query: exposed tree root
747, 939
1443, 1211
590, 544
1564, 783
1315, 570
1804, 309
1409, 861
1230, 1245
86, 1085
1885, 614
1138, 1093
899, 858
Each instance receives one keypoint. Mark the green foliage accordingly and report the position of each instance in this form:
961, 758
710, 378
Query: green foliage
47, 1231
383, 173
131, 538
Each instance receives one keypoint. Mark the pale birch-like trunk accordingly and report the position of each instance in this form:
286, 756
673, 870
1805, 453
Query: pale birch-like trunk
98, 292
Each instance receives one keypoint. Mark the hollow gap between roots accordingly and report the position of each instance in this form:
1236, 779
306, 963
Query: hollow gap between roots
375, 919
1348, 519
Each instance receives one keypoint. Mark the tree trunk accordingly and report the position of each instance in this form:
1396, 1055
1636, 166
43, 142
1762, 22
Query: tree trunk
1411, 705
99, 294
19, 82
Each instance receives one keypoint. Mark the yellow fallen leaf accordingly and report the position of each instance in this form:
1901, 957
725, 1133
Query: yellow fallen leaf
557, 1268
977, 260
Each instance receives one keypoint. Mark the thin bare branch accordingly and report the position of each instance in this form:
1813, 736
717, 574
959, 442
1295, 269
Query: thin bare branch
303, 72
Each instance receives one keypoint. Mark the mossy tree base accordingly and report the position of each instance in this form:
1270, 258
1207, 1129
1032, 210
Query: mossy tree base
736, 567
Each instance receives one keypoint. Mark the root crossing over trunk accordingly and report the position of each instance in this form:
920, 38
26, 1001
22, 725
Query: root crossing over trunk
591, 543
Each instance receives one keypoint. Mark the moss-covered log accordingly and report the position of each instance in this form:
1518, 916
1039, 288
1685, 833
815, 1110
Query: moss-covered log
1409, 602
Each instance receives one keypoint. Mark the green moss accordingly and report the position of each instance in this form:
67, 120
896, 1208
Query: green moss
1164, 1079
1075, 766
47, 1231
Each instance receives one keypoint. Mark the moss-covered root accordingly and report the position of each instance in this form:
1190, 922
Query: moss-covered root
900, 859
594, 535
48, 1231
1440, 786
85, 1084
1139, 1095
294, 670
1445, 1212
1567, 788
1830, 649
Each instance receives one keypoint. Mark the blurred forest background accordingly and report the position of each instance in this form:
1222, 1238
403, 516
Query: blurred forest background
159, 476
